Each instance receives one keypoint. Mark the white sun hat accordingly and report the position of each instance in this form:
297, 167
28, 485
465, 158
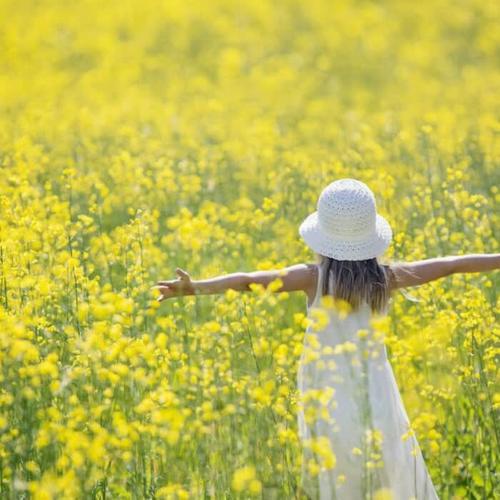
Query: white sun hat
346, 225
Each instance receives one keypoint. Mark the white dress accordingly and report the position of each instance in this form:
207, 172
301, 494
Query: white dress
360, 416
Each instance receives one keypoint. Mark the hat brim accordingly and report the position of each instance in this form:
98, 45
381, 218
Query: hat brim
324, 244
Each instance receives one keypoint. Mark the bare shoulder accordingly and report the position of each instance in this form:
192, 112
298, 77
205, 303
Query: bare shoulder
307, 271
302, 276
311, 275
415, 273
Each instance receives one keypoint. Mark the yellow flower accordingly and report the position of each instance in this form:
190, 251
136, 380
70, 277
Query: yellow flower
319, 319
345, 347
255, 486
275, 285
341, 479
32, 466
384, 494
244, 479
362, 333
313, 468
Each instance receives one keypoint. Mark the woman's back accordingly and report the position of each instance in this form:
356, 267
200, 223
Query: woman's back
350, 403
342, 326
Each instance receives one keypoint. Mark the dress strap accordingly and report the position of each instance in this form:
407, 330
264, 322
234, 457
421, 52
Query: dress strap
319, 284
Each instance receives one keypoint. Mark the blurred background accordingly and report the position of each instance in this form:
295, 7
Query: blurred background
138, 136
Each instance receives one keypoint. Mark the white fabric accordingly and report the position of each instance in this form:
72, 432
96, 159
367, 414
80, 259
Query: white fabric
359, 403
346, 225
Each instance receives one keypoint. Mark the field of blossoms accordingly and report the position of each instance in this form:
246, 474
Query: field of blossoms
136, 137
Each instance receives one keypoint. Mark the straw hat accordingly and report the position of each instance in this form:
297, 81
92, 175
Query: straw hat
346, 225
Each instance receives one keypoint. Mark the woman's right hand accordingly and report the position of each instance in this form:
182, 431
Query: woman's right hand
175, 288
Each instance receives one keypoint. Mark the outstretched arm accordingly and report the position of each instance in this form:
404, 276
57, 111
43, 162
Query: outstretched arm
294, 278
422, 271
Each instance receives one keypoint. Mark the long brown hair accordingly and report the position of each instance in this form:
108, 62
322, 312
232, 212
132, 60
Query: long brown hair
356, 281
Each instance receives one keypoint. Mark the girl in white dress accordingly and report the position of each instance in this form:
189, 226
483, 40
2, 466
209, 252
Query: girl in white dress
364, 422
352, 423
367, 426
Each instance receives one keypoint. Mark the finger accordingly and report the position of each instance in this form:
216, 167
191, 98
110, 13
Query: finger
169, 282
163, 296
182, 273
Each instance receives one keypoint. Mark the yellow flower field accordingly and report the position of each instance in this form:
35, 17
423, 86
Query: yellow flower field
138, 136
